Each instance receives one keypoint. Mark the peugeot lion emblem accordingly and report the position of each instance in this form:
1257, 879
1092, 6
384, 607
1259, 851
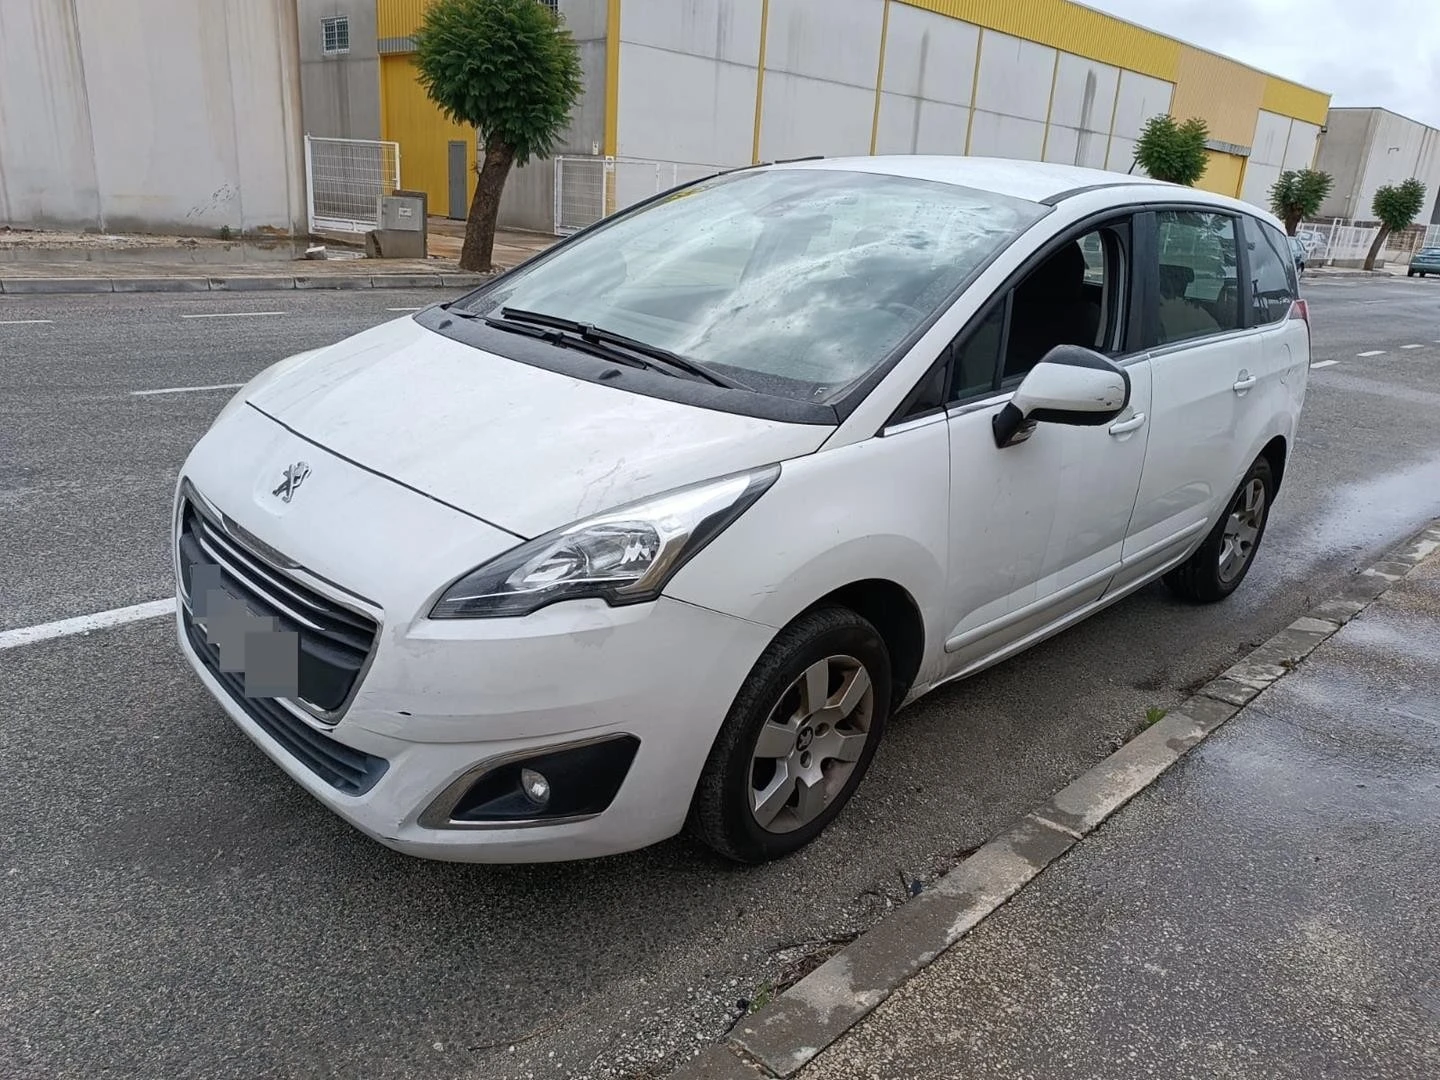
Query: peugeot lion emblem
294, 476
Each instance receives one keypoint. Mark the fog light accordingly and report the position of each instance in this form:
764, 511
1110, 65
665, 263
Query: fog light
535, 786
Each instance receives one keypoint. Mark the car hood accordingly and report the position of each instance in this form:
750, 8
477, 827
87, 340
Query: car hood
523, 448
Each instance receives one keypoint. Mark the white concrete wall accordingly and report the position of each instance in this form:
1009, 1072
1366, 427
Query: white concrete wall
1399, 149
687, 80
1280, 143
820, 67
340, 94
151, 115
929, 74
1139, 98
1012, 97
1084, 102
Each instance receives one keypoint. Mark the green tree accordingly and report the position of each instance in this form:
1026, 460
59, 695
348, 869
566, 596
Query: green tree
1298, 194
1395, 207
510, 69
1173, 151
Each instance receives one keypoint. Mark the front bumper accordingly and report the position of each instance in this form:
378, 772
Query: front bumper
438, 701
664, 673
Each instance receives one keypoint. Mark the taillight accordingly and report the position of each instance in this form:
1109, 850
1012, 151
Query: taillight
1300, 309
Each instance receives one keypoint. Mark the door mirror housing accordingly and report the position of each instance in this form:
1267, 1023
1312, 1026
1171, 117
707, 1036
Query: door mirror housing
1070, 385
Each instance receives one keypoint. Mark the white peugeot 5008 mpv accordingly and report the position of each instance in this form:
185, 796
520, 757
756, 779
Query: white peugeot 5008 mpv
662, 526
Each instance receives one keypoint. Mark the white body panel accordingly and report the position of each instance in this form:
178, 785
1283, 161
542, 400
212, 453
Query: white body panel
428, 458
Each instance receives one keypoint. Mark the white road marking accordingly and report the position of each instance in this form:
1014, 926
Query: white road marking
24, 322
1324, 363
232, 314
1372, 352
1412, 346
402, 309
83, 624
187, 389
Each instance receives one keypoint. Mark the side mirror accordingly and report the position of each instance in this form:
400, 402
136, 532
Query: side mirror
1070, 385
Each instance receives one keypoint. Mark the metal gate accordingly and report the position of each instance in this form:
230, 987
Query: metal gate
344, 179
590, 188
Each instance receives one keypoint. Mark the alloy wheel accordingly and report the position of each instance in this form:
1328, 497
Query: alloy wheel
1242, 529
810, 742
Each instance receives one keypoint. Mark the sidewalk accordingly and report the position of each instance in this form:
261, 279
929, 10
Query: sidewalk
1269, 908
79, 264
1249, 887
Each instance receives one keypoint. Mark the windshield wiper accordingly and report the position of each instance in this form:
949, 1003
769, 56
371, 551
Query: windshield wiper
651, 356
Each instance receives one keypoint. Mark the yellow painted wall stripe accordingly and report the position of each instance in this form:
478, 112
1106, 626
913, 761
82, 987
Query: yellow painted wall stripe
974, 86
612, 78
1050, 106
1114, 111
760, 81
1291, 99
879, 77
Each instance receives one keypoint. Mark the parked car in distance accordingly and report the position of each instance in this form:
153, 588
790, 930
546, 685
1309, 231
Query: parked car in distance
660, 528
1425, 261
1298, 253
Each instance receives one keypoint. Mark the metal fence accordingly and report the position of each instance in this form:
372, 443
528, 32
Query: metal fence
590, 188
1342, 241
344, 179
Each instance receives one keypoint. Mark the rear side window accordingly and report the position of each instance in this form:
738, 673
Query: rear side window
1199, 293
1273, 287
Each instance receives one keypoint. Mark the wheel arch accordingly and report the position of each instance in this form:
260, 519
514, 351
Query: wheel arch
893, 612
1275, 452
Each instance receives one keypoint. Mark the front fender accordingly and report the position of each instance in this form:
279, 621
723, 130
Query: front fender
873, 510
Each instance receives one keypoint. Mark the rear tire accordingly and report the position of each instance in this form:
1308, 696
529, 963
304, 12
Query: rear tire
1220, 564
798, 739
1411, 273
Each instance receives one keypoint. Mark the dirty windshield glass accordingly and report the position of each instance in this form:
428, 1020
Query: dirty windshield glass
795, 282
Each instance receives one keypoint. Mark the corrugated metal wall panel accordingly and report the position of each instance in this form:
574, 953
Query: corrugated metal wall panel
1292, 99
1226, 95
399, 18
1070, 27
1223, 174
412, 120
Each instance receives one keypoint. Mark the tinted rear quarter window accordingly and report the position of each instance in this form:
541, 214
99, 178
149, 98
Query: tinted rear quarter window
1272, 276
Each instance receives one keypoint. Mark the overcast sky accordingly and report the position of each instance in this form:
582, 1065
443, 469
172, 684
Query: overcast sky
1345, 47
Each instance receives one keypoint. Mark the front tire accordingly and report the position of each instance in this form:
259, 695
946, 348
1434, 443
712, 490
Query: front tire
798, 739
1220, 564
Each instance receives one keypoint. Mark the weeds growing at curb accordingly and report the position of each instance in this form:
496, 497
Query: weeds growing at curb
1154, 714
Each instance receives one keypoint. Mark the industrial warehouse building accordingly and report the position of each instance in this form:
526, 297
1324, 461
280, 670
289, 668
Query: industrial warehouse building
676, 88
168, 115
1364, 149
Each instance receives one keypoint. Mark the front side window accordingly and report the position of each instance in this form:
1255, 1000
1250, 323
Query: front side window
795, 282
1199, 289
1272, 276
1075, 296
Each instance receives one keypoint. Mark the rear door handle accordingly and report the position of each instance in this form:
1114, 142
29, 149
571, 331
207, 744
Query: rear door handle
1125, 426
1245, 383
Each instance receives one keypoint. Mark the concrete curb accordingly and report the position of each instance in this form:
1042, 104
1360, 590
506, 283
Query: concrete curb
785, 1036
54, 286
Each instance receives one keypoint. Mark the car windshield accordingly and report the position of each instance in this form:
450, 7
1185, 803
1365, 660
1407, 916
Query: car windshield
796, 282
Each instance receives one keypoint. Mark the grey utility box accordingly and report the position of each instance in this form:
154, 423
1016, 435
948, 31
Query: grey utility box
402, 233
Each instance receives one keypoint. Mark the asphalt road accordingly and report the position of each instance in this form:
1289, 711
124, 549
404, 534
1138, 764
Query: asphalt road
173, 905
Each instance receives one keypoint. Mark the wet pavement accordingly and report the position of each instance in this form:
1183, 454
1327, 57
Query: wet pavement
1269, 908
172, 904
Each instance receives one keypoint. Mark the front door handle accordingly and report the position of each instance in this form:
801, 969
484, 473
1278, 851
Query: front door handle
1124, 426
1245, 382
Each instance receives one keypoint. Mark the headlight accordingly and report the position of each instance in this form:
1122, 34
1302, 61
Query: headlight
624, 556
